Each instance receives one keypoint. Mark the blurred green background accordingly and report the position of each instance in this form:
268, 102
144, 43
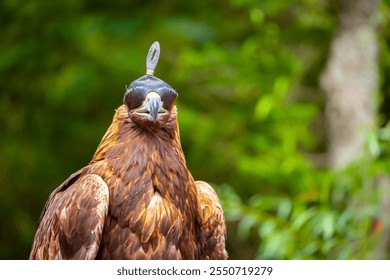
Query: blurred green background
251, 114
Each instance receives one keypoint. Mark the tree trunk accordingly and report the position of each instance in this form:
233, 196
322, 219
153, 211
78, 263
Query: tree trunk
350, 82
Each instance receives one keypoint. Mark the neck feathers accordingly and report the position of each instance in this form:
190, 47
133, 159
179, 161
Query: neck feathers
127, 137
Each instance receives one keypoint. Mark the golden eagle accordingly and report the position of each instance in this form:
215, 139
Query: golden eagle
136, 199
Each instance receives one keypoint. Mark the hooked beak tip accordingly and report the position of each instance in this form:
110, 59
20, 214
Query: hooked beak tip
154, 102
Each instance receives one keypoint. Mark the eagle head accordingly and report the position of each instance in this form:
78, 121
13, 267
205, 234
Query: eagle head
150, 100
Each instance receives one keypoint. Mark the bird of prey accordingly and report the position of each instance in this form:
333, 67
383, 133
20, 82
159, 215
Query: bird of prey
136, 199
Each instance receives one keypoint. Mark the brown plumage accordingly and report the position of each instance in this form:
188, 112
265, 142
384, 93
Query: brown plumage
136, 199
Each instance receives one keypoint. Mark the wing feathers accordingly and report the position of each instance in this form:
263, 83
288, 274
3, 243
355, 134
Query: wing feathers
72, 224
211, 222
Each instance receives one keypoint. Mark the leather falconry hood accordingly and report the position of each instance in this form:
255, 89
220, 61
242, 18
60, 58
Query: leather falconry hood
139, 88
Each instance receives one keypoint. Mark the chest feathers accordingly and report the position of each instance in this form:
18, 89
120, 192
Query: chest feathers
153, 203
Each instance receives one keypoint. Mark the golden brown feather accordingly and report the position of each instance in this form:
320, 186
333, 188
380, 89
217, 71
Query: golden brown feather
135, 200
72, 225
211, 221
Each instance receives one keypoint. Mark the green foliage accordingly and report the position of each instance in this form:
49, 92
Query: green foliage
250, 113
321, 222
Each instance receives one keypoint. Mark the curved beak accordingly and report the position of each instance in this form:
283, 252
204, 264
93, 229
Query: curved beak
154, 102
152, 106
